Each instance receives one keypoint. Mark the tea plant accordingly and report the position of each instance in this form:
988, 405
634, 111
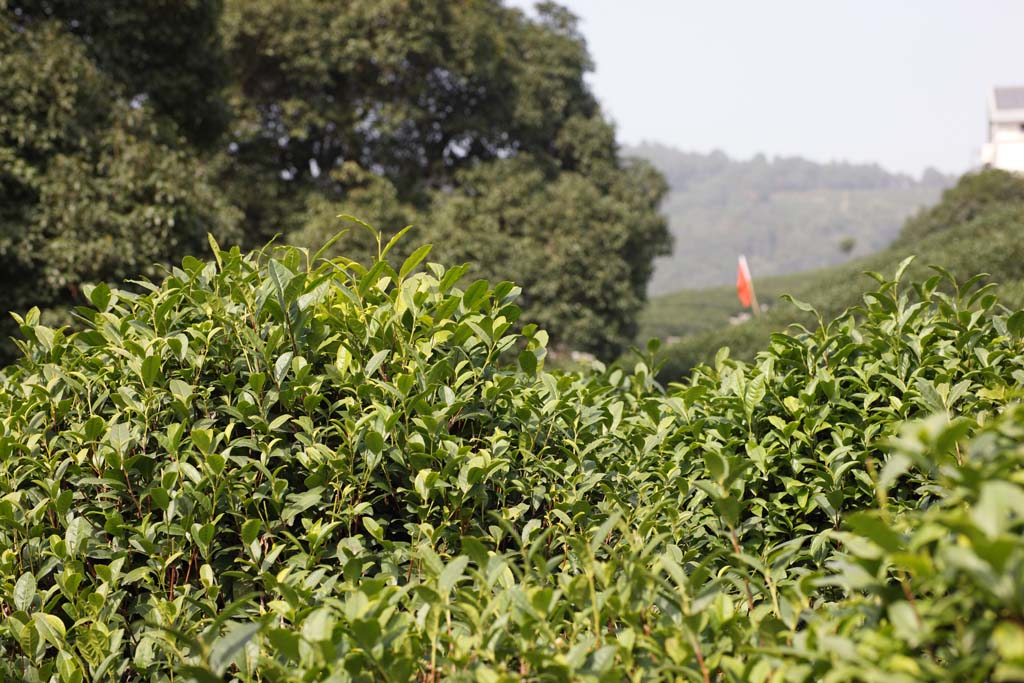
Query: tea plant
275, 467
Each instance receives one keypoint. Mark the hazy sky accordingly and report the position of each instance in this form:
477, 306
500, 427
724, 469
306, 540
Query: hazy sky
904, 83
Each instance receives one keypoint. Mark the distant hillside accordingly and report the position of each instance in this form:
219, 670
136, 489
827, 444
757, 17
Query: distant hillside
975, 228
786, 214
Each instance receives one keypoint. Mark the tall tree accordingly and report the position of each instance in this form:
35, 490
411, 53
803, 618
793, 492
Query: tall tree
166, 52
469, 118
92, 188
580, 242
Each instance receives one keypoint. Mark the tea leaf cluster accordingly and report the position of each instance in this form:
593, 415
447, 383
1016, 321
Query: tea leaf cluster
274, 467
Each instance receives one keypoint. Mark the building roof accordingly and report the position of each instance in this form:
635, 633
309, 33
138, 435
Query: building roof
1009, 98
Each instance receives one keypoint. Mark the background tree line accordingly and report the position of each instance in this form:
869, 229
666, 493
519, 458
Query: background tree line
129, 130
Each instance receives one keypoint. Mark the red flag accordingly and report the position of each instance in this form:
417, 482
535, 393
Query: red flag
744, 285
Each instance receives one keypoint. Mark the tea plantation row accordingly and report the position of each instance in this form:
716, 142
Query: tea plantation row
276, 468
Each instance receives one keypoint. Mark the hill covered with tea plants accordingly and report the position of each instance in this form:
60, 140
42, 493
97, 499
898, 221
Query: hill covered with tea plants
975, 228
274, 467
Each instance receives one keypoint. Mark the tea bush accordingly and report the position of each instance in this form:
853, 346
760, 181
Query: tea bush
274, 467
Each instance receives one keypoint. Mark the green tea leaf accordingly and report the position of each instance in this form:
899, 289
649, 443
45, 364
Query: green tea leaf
226, 648
282, 365
250, 530
77, 535
50, 628
318, 626
24, 591
528, 362
150, 370
451, 574
375, 362
100, 296
414, 260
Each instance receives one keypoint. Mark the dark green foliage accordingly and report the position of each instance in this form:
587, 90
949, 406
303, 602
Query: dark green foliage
92, 189
972, 196
166, 50
291, 112
276, 468
412, 91
469, 120
582, 246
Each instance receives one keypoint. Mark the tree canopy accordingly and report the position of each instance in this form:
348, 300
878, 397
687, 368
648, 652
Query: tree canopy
168, 52
471, 120
91, 187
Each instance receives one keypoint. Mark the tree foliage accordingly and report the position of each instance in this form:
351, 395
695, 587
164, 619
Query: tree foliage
273, 467
168, 52
296, 111
410, 91
470, 120
582, 246
974, 194
92, 188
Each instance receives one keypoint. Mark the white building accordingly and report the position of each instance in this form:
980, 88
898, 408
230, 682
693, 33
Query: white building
1005, 148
